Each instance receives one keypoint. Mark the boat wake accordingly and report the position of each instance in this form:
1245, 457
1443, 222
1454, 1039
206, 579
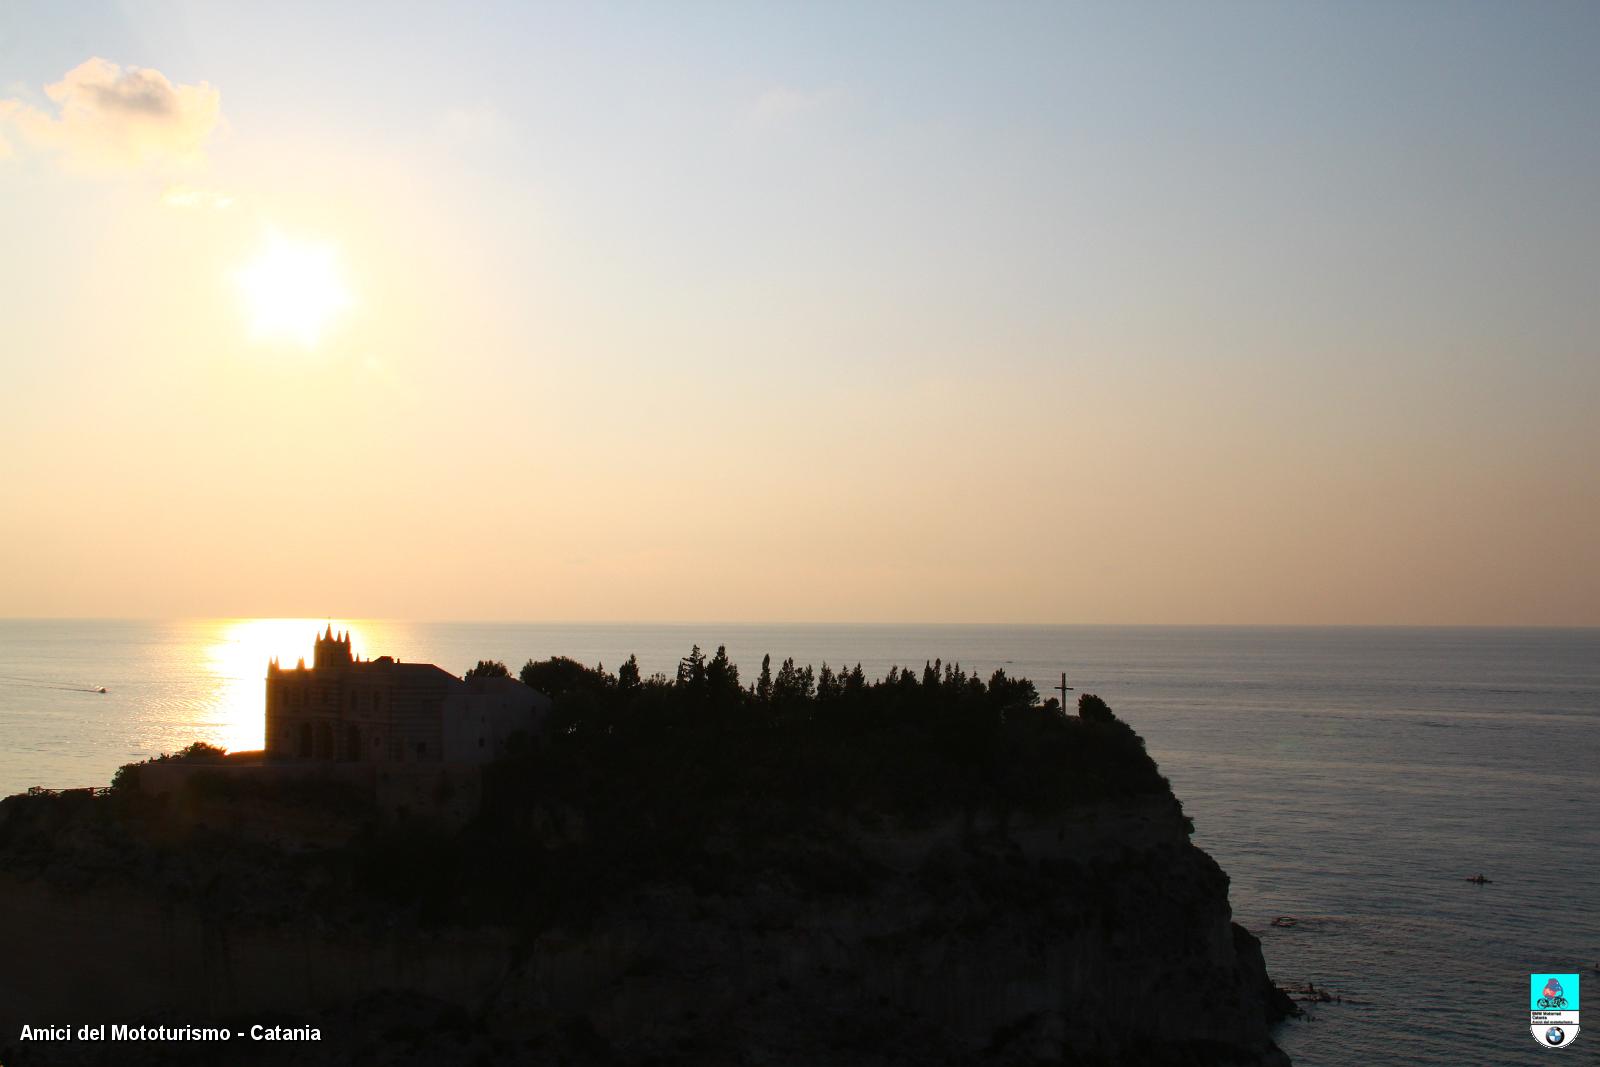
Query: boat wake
17, 682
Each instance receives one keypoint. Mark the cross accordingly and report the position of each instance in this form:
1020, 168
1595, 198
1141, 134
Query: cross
1065, 689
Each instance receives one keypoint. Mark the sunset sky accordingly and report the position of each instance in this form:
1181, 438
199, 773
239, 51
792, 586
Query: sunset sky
1207, 313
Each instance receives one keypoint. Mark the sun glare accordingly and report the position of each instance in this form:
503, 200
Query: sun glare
292, 290
236, 658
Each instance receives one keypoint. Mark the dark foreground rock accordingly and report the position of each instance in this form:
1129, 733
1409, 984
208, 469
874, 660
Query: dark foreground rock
1099, 935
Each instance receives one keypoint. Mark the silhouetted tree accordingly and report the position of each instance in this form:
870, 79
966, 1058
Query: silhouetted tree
830, 687
785, 686
559, 675
1092, 709
763, 691
1008, 692
198, 751
793, 683
855, 681
628, 675
692, 670
622, 751
489, 668
722, 676
126, 778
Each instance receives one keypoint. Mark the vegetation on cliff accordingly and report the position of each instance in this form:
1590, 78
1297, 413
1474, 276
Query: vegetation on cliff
702, 778
910, 742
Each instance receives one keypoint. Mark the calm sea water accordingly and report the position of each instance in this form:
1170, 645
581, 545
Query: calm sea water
1349, 777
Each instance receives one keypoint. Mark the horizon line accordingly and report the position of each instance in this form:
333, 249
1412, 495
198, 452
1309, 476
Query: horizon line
816, 623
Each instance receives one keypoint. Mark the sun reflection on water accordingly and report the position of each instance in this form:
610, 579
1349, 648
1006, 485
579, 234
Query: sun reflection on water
237, 657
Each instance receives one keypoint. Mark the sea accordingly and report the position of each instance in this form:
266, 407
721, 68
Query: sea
1349, 780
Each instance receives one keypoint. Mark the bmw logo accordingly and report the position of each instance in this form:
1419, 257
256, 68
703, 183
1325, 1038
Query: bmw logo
1555, 1035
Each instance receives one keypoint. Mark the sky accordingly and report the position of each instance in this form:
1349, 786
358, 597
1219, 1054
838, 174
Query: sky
1029, 313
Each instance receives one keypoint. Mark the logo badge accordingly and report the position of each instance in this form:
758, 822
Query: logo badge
1553, 1009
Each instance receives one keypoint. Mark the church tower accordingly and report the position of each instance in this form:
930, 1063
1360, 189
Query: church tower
332, 652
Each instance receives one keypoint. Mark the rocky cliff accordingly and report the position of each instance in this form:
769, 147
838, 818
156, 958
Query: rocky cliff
1097, 934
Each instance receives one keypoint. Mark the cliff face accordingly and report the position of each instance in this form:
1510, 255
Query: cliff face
1104, 937
1098, 936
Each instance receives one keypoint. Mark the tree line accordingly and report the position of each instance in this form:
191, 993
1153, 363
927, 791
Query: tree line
908, 740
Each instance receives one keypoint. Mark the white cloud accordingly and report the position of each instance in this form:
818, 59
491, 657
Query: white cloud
112, 118
781, 104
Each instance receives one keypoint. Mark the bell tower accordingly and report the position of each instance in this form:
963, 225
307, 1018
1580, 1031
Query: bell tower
332, 651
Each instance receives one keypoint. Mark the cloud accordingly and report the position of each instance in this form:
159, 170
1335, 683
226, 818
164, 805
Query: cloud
112, 118
189, 196
780, 104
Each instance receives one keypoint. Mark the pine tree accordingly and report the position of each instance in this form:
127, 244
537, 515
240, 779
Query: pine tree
787, 685
692, 669
764, 685
856, 681
628, 674
722, 676
828, 685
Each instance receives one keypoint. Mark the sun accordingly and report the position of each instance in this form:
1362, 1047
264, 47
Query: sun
292, 290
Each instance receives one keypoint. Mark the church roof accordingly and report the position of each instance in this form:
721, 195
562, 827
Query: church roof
388, 669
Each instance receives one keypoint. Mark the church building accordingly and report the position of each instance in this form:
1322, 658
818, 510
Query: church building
350, 710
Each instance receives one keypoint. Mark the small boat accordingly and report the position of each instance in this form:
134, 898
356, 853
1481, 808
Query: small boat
1285, 921
1479, 879
102, 689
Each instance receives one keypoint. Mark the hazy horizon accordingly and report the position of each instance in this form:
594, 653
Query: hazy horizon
315, 624
1098, 314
